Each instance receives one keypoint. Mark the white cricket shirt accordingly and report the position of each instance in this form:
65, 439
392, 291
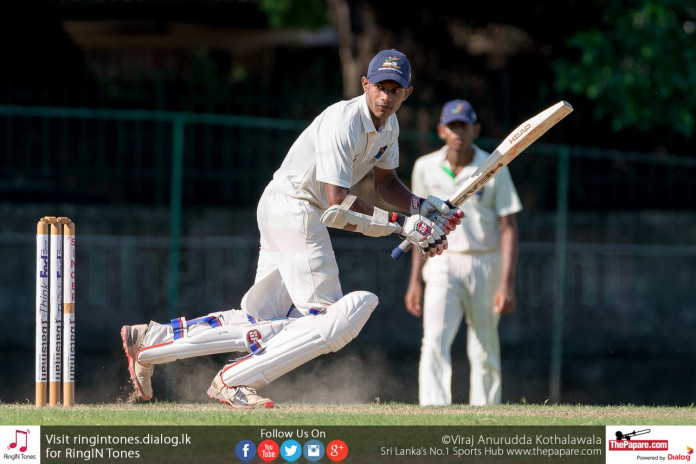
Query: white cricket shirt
340, 147
480, 230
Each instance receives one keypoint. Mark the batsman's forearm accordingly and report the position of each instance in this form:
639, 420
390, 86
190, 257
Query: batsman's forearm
395, 193
335, 196
417, 263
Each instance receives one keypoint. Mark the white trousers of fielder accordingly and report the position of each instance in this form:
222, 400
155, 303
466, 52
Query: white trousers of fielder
460, 287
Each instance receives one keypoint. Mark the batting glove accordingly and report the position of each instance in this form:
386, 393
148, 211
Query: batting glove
442, 213
427, 237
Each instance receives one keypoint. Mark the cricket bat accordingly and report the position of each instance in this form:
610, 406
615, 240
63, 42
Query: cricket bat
519, 139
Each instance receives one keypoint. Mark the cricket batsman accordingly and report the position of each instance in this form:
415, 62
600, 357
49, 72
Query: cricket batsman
295, 310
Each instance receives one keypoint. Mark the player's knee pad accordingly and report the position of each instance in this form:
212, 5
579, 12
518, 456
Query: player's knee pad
208, 340
302, 340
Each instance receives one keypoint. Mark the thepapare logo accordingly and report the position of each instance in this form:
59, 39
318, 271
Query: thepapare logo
519, 133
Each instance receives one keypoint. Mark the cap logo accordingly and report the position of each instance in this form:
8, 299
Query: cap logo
457, 110
390, 63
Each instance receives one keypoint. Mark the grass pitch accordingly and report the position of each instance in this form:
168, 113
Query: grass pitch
163, 413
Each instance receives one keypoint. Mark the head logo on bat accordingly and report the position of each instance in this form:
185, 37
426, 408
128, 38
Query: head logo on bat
519, 133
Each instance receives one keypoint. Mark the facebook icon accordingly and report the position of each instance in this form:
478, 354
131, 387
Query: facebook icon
245, 450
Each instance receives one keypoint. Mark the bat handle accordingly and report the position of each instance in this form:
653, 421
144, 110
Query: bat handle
401, 250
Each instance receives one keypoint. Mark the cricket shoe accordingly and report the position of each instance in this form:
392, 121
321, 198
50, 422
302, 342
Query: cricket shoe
240, 397
133, 337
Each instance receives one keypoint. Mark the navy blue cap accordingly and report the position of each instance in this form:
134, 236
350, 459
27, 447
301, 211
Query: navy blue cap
390, 65
457, 110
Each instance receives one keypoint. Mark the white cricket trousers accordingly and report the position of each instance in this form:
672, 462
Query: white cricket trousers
296, 263
460, 286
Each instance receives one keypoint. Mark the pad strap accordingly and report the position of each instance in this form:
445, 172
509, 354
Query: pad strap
339, 220
348, 202
377, 225
257, 347
180, 324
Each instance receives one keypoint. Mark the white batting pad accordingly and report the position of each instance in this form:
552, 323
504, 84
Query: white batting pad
302, 340
212, 340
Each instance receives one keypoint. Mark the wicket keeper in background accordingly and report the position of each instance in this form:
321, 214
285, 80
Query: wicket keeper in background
296, 310
475, 278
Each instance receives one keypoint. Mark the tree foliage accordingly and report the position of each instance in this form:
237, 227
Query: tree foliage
296, 13
639, 66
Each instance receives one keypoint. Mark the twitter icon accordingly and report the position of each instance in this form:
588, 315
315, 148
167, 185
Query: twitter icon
290, 450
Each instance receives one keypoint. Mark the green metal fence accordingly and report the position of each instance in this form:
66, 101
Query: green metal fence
130, 156
135, 157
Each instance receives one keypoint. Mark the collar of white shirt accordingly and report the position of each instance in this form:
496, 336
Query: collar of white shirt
479, 157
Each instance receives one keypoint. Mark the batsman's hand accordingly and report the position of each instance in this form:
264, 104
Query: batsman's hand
441, 212
427, 206
448, 222
428, 238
